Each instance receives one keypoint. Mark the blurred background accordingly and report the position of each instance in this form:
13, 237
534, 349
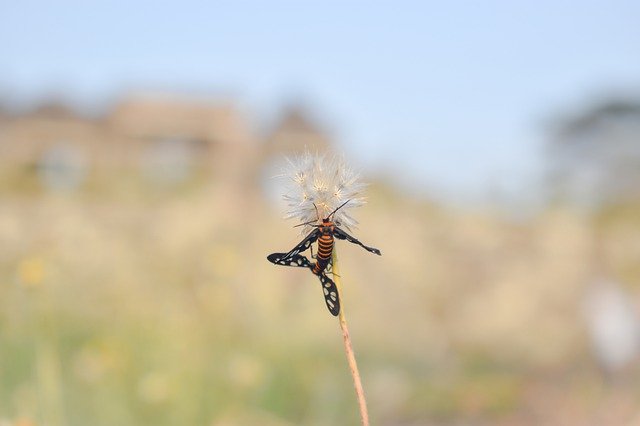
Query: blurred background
138, 146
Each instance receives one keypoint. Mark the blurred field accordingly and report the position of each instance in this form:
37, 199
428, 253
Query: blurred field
135, 288
163, 310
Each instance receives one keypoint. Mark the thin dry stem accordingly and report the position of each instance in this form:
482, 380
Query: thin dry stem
353, 366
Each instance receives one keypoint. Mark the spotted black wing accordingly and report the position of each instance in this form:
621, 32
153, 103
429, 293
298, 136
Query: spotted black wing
304, 245
341, 235
329, 289
330, 292
295, 260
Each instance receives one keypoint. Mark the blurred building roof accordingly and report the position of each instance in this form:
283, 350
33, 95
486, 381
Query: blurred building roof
297, 132
54, 110
178, 117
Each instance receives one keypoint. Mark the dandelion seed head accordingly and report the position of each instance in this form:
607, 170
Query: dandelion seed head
327, 182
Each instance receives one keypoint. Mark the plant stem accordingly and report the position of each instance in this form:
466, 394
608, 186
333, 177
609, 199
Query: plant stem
353, 366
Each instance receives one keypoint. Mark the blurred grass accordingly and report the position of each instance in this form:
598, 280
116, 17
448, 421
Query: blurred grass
152, 307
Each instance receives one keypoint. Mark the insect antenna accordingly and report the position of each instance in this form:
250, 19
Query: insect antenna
341, 206
311, 221
317, 214
306, 223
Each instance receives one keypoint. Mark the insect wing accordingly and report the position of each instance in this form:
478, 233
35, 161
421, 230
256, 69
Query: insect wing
341, 235
295, 260
331, 297
304, 244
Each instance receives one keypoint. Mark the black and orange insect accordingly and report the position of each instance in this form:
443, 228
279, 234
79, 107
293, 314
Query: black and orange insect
325, 233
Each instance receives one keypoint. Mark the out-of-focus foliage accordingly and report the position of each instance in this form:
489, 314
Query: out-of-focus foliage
595, 155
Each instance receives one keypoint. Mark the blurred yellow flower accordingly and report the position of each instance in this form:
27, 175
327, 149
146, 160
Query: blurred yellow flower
31, 271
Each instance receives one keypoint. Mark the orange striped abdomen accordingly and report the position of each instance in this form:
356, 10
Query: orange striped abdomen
325, 248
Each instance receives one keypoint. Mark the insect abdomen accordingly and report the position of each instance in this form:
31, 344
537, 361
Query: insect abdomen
325, 248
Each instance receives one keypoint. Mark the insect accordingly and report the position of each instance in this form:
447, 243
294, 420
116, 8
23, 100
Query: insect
325, 233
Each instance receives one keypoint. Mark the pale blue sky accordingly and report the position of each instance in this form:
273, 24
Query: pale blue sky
450, 95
